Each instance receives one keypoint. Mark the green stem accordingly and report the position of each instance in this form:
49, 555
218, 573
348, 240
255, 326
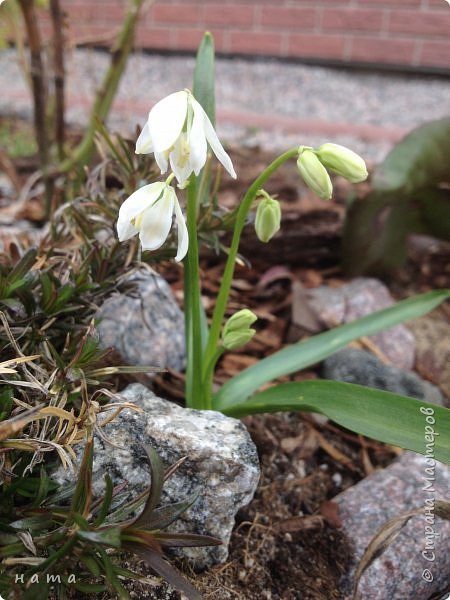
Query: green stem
208, 376
241, 217
194, 392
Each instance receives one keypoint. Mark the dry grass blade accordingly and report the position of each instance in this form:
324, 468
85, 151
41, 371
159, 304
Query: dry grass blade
12, 426
388, 533
7, 366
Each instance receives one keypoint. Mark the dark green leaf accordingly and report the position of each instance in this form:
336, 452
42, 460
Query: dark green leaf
163, 568
185, 540
419, 160
106, 537
162, 517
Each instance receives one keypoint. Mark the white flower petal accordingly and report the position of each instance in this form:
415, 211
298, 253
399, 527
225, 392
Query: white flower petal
179, 162
161, 161
156, 222
140, 200
166, 120
183, 237
125, 230
197, 138
214, 141
144, 142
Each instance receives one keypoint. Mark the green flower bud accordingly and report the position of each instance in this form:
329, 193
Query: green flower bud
314, 173
236, 331
342, 161
238, 338
268, 218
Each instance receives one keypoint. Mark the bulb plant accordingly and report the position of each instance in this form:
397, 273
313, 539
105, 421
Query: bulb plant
180, 133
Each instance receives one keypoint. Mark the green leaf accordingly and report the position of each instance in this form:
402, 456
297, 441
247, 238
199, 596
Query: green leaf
390, 418
156, 486
308, 352
106, 537
91, 564
162, 517
419, 160
375, 232
185, 540
204, 78
6, 402
166, 570
103, 512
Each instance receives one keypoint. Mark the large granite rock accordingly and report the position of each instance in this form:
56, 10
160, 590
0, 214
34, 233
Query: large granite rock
358, 366
222, 464
143, 323
360, 297
417, 564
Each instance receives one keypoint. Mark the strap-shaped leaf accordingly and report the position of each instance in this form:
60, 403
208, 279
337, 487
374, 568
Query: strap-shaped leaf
184, 540
165, 569
308, 352
156, 486
164, 516
204, 77
390, 418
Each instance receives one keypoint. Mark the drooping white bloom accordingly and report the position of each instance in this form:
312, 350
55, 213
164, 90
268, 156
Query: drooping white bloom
177, 131
148, 212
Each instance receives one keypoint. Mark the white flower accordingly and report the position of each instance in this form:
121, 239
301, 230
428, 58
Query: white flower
149, 212
177, 131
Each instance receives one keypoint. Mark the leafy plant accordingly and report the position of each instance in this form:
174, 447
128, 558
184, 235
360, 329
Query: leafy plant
410, 195
389, 417
77, 546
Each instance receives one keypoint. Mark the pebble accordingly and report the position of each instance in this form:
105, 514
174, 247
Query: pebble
399, 573
363, 296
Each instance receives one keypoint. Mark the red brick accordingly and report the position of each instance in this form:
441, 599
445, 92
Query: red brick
435, 54
435, 4
371, 50
79, 11
417, 22
317, 46
233, 15
176, 13
153, 37
391, 3
290, 18
256, 43
108, 12
352, 19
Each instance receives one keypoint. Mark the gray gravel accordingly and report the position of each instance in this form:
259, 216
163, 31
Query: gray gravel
267, 87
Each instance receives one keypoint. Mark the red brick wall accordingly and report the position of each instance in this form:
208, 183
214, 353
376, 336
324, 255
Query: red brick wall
415, 33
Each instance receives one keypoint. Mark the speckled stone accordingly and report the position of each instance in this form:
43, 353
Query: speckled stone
360, 297
222, 464
400, 572
143, 323
358, 366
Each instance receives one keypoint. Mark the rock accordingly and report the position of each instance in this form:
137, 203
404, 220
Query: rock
432, 333
222, 464
358, 366
360, 297
401, 571
144, 323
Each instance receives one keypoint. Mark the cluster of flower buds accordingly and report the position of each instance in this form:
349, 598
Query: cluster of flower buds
313, 164
237, 331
